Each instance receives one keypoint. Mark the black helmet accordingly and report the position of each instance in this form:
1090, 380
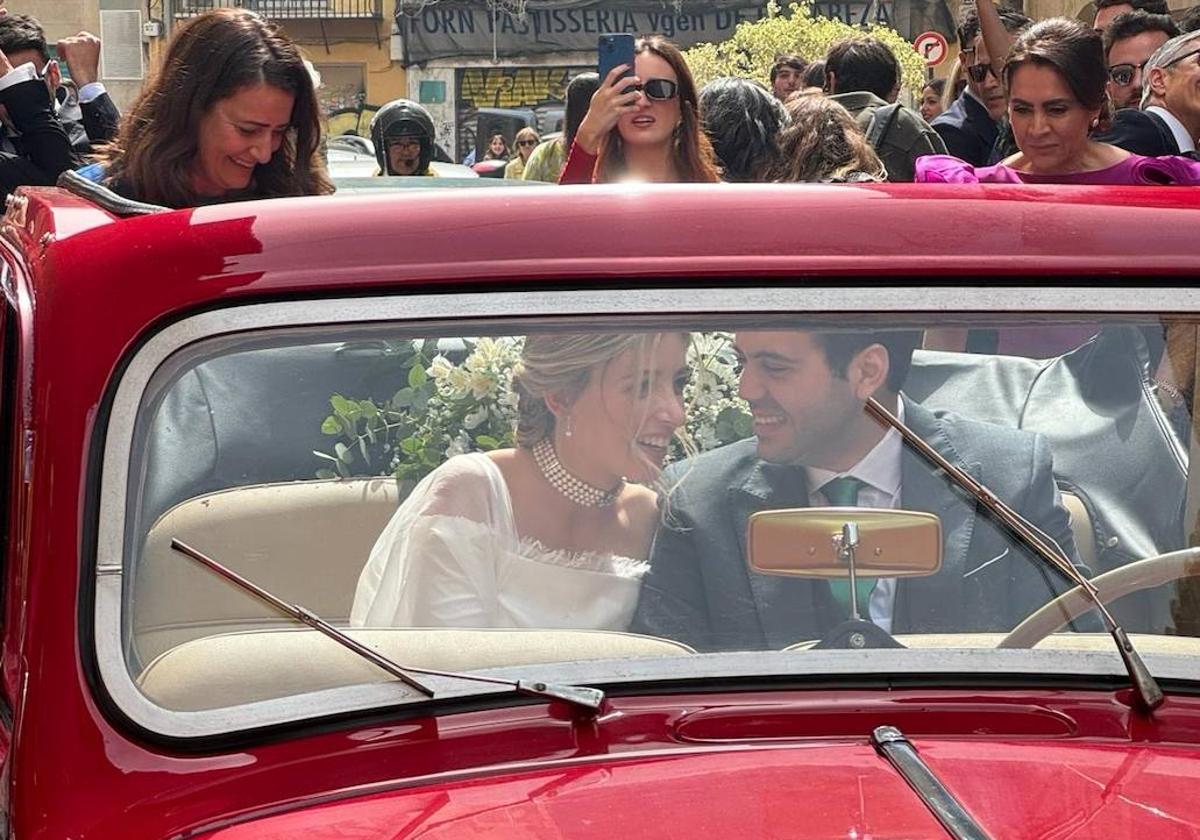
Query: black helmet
402, 117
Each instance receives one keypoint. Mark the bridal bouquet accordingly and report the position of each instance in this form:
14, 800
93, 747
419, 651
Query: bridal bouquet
460, 399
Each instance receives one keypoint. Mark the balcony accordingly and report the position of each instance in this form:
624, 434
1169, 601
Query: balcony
291, 9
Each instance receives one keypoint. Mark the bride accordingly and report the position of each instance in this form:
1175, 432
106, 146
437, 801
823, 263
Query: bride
554, 533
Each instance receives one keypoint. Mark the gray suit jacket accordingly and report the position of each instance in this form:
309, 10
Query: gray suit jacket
700, 590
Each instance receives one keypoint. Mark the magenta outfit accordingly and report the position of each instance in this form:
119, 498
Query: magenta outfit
1134, 170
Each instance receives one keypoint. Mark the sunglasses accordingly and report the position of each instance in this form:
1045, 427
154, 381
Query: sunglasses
979, 72
1122, 74
527, 142
660, 89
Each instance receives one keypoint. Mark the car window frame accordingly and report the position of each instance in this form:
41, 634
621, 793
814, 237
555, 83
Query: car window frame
505, 309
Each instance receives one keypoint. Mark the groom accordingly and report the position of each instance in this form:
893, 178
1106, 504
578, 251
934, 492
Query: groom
815, 445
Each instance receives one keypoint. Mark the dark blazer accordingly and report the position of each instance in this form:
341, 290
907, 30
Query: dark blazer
98, 124
967, 130
700, 590
43, 151
1140, 132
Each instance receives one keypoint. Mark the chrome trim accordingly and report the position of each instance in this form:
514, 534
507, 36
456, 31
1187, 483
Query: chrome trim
677, 301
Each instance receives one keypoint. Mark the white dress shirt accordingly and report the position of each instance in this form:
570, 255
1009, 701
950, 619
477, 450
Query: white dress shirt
879, 470
1185, 141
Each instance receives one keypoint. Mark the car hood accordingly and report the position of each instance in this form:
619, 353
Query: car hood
1014, 789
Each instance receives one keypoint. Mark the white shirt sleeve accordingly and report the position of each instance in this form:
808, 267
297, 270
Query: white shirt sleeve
25, 73
90, 91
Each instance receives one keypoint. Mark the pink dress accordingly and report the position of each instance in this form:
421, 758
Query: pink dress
1134, 170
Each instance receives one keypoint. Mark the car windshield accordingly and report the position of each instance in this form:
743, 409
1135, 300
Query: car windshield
476, 494
587, 374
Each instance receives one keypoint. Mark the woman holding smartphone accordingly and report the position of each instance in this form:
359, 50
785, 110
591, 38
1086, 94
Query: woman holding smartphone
644, 127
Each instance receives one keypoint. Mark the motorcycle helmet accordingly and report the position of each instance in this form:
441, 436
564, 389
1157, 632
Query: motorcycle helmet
398, 118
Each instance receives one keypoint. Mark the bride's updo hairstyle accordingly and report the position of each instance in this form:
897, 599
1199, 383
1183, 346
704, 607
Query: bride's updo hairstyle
564, 363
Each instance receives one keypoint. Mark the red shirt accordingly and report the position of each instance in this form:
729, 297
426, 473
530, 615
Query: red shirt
580, 168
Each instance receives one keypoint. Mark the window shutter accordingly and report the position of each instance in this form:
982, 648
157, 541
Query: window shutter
121, 44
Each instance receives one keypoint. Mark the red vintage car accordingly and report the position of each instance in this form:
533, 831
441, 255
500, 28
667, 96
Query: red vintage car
264, 382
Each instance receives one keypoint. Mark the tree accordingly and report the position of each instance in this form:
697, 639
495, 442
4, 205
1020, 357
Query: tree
751, 51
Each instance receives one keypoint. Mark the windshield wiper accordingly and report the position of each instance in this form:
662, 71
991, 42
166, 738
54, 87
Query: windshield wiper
588, 699
1145, 688
891, 743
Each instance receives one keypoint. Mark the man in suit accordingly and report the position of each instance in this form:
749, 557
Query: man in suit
1128, 44
37, 151
969, 127
815, 445
1169, 120
88, 115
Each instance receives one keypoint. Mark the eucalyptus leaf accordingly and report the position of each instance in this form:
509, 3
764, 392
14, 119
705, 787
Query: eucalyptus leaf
340, 404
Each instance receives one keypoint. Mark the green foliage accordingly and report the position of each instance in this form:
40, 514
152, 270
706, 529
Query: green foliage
445, 409
751, 51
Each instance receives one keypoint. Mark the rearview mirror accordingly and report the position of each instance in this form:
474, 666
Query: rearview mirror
808, 542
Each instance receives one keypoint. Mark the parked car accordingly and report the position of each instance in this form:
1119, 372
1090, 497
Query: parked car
265, 381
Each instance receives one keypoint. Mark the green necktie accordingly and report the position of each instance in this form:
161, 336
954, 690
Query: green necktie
843, 492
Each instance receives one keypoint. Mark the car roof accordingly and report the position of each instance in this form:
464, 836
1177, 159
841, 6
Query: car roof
624, 233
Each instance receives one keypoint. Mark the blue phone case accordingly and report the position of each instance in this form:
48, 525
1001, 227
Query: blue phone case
614, 50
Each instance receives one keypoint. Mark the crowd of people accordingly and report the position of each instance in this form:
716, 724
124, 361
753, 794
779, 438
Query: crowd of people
233, 113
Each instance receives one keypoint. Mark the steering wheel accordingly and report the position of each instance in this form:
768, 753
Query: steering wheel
1144, 574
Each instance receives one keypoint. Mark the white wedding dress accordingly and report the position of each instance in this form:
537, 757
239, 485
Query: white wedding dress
451, 557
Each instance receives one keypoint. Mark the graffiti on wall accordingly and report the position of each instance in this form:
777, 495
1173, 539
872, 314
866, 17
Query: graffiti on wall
354, 120
534, 95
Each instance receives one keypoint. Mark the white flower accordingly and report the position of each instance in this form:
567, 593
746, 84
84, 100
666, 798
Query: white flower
706, 438
459, 381
509, 399
439, 368
482, 384
491, 355
460, 445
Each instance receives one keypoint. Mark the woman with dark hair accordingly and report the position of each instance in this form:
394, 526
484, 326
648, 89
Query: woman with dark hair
1056, 77
825, 144
742, 120
231, 115
643, 127
497, 148
931, 99
814, 76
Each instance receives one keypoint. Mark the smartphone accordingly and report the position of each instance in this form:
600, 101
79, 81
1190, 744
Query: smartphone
614, 50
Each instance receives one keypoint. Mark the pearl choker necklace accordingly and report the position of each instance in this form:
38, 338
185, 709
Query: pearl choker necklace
574, 488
